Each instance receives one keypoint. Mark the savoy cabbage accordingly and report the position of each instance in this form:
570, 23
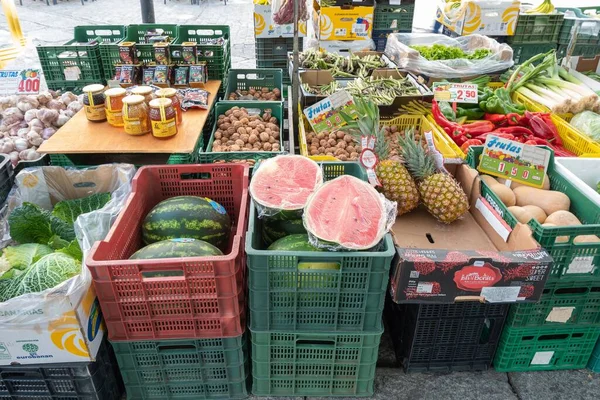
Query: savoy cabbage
18, 258
69, 210
32, 224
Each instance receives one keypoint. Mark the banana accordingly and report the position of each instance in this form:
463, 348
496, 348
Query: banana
545, 8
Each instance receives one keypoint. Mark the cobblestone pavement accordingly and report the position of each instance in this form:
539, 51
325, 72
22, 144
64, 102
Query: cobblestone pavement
54, 25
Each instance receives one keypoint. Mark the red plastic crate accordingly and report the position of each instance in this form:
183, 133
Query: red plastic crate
196, 297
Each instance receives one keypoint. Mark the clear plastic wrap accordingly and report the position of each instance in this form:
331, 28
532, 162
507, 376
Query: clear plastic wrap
588, 123
46, 186
347, 213
399, 51
281, 185
283, 11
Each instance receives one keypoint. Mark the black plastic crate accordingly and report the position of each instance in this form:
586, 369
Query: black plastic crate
398, 17
82, 381
275, 48
445, 337
524, 52
7, 177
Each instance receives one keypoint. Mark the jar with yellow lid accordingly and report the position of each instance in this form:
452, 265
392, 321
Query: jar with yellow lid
114, 105
135, 115
163, 118
171, 94
93, 102
145, 91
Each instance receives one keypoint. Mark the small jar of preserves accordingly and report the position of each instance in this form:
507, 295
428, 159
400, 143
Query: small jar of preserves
145, 91
162, 118
171, 94
135, 115
93, 102
114, 105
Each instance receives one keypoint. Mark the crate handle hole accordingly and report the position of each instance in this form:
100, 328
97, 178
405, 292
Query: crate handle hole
429, 237
162, 274
567, 291
80, 185
176, 347
104, 32
556, 337
313, 342
488, 325
196, 176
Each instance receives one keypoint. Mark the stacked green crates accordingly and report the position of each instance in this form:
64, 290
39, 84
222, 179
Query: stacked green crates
561, 330
390, 18
315, 332
587, 39
78, 62
535, 33
273, 53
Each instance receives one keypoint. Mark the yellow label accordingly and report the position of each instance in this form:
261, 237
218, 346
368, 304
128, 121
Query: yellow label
133, 126
114, 118
164, 128
95, 113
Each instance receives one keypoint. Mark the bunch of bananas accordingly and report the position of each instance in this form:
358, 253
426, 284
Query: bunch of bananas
545, 8
262, 2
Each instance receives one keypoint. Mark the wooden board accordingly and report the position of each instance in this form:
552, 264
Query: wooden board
80, 136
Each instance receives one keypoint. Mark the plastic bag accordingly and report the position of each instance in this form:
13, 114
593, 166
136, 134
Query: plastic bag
588, 123
347, 213
280, 169
46, 186
399, 51
283, 11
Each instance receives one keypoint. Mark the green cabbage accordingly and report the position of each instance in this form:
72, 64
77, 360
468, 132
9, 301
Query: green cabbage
32, 224
69, 210
21, 257
48, 272
588, 123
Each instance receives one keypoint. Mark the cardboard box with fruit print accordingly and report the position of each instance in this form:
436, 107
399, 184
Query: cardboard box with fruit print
265, 28
495, 18
345, 22
478, 257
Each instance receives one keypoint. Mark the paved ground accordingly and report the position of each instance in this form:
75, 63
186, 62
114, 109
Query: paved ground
53, 25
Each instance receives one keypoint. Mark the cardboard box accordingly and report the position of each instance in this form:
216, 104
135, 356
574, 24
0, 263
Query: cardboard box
347, 22
490, 17
475, 258
265, 28
346, 47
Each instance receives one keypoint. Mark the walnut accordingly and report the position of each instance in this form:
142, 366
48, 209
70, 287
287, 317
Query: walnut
264, 137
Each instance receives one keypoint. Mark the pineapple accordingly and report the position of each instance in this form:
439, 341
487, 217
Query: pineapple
440, 193
397, 184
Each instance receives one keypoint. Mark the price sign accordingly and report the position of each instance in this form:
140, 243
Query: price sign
455, 92
515, 161
19, 82
325, 115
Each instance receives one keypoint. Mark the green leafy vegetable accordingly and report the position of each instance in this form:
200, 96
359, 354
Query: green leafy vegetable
32, 224
69, 210
72, 249
46, 273
442, 52
21, 257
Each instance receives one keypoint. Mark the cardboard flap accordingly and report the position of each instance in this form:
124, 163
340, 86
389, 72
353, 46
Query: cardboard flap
316, 77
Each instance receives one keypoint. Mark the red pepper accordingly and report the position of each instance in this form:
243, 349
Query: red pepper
496, 119
499, 134
471, 142
540, 128
515, 130
513, 119
548, 120
441, 120
477, 128
459, 139
531, 142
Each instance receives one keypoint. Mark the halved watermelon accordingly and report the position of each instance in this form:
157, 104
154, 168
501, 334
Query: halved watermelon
284, 183
348, 212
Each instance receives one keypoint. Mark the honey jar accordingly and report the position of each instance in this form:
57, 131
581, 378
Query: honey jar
135, 115
145, 91
171, 94
114, 105
93, 102
162, 118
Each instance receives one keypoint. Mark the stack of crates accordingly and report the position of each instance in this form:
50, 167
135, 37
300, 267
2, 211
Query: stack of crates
315, 317
177, 325
561, 330
587, 39
535, 34
390, 18
78, 62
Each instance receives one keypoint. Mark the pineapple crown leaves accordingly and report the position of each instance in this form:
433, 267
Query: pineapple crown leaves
419, 160
367, 125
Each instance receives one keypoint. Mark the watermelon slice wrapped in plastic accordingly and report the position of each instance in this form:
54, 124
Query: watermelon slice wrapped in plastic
280, 186
347, 213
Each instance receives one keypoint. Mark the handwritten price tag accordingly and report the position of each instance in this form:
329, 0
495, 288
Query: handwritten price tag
455, 92
29, 82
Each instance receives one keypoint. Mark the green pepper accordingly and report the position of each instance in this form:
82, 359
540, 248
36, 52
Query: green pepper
493, 106
447, 110
470, 113
510, 107
485, 94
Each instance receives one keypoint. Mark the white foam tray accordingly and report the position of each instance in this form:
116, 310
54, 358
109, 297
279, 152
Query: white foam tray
584, 172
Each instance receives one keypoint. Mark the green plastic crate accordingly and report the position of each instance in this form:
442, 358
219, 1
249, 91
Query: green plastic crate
184, 369
84, 57
589, 31
215, 54
208, 156
313, 364
594, 363
584, 50
135, 33
524, 52
567, 256
537, 28
583, 298
545, 348
395, 17
274, 48
246, 79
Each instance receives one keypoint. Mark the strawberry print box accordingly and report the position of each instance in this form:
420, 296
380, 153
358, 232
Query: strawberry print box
477, 258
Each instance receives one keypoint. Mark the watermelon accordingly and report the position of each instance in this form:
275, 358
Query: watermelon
348, 213
188, 217
293, 243
283, 184
273, 228
175, 248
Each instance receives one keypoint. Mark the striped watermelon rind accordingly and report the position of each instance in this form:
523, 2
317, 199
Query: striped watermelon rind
188, 217
293, 243
273, 229
176, 248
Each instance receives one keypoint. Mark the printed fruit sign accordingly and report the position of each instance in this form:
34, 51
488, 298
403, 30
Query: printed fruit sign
455, 92
515, 161
325, 115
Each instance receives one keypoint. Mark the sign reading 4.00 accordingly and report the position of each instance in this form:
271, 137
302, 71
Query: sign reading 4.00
26, 81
